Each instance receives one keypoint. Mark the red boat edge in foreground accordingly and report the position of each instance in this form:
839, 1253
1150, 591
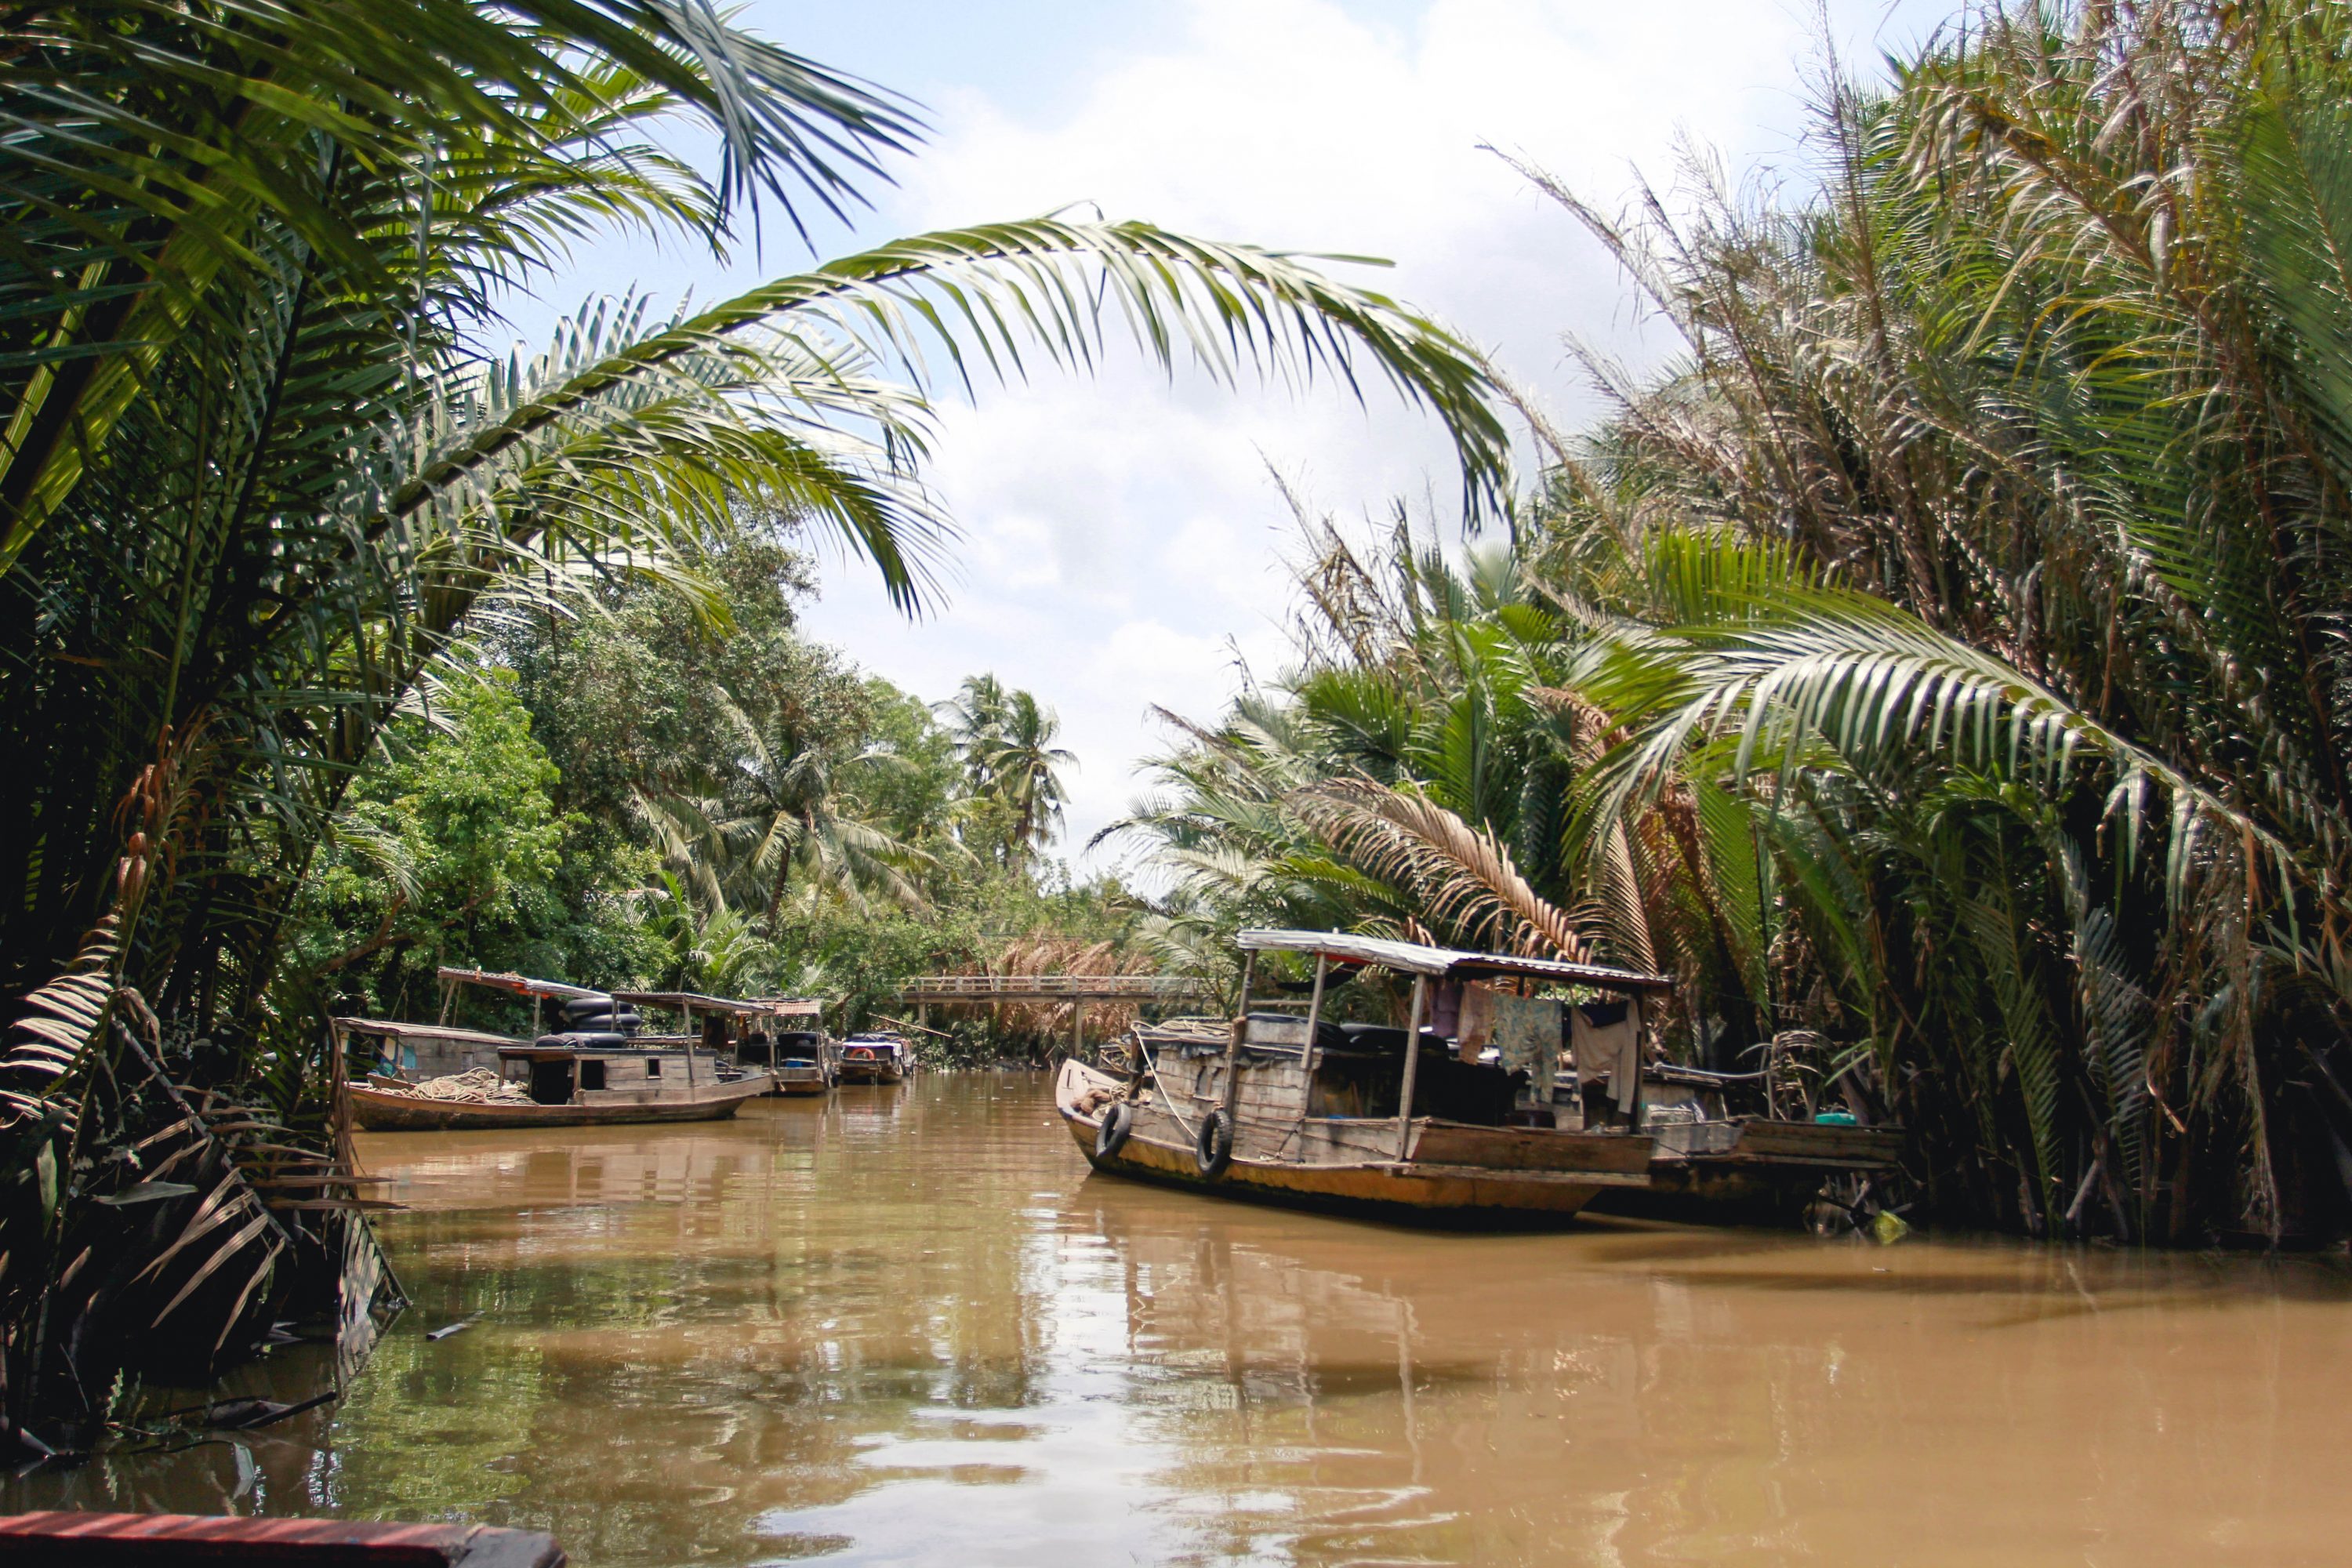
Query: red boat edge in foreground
72, 1539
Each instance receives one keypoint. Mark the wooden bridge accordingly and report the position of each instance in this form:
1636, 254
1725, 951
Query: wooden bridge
1077, 990
1050, 988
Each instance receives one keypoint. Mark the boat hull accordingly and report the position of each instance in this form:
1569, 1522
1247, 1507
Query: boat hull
1754, 1172
872, 1072
801, 1082
1419, 1190
377, 1110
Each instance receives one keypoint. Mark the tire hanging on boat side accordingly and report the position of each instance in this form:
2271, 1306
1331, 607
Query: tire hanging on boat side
1117, 1123
1213, 1151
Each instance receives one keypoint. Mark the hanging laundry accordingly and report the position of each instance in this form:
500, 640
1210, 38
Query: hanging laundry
1607, 1039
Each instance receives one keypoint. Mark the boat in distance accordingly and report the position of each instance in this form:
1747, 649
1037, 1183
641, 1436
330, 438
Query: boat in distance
1414, 1123
597, 1070
876, 1059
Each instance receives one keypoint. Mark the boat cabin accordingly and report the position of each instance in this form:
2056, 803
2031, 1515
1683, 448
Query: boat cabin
1494, 1042
746, 1029
564, 1074
414, 1052
1449, 1113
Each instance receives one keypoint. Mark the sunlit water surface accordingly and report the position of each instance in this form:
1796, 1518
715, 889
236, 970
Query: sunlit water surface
909, 1327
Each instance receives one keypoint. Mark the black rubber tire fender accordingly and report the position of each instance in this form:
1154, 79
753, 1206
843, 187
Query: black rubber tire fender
1212, 1149
603, 1023
1117, 1123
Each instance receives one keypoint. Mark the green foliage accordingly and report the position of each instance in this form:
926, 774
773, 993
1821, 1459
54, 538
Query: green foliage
1943, 656
455, 853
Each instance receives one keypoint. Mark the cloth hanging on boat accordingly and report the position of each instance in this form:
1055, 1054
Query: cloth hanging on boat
1526, 1035
1607, 1039
1445, 1008
1474, 1025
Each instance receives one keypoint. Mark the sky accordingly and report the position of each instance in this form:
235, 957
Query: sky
1122, 536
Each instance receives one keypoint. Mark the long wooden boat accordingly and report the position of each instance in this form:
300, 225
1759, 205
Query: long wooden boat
64, 1539
1298, 1111
876, 1059
573, 1085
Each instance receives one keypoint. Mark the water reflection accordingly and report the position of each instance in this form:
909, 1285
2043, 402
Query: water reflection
907, 1327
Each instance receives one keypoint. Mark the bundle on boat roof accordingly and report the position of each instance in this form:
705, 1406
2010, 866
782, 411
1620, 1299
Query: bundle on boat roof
476, 1086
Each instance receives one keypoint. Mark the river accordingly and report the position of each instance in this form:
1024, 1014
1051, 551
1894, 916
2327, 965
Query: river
907, 1326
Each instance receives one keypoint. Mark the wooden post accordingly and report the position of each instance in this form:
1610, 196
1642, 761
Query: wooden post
1078, 1029
1241, 1029
1412, 1065
1314, 1017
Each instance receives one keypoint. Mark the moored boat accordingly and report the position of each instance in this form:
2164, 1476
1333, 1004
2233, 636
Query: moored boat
597, 1070
1414, 1123
808, 1062
876, 1059
570, 1085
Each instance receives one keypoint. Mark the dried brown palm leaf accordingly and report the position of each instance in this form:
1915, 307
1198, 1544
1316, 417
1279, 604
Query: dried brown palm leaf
1462, 877
57, 1023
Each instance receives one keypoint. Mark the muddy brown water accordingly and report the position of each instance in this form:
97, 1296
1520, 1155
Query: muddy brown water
907, 1326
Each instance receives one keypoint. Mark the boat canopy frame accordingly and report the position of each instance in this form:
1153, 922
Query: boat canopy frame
740, 1008
1424, 963
393, 1030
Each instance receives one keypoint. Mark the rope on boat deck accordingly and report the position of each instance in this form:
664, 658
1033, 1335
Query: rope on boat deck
1152, 1067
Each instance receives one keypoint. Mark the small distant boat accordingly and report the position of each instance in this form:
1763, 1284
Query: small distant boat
1409, 1122
807, 1062
876, 1059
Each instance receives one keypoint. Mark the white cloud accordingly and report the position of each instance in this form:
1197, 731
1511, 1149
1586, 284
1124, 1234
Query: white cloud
1121, 533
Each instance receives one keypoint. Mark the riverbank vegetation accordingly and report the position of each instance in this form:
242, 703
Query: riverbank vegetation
628, 795
1938, 664
272, 490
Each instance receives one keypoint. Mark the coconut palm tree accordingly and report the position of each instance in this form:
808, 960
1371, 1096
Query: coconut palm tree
1025, 770
258, 470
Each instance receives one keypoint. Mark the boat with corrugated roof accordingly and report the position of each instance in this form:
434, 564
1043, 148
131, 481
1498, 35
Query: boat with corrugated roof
1320, 1100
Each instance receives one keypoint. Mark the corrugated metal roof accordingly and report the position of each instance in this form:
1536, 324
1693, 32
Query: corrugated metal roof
1413, 958
400, 1031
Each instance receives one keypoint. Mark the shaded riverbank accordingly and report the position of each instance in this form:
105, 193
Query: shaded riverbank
907, 1326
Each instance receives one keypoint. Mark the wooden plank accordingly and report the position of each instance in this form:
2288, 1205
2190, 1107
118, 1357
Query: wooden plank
1531, 1148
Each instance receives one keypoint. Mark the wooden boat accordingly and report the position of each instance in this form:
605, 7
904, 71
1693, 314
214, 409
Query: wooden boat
71, 1539
807, 1062
1299, 1110
571, 1084
876, 1059
757, 1033
1724, 1155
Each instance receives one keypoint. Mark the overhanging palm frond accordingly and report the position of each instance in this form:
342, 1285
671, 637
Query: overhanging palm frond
1457, 876
992, 295
1783, 669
